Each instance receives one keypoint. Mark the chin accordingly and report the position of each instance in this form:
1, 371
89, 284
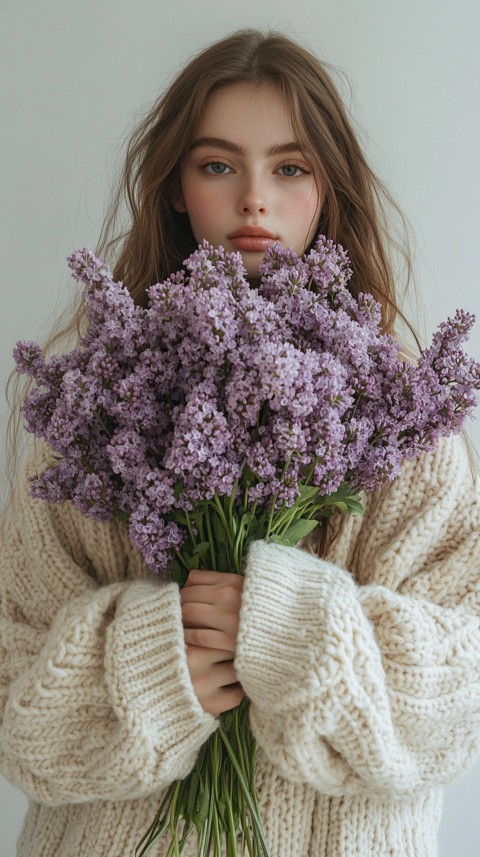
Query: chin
251, 266
253, 277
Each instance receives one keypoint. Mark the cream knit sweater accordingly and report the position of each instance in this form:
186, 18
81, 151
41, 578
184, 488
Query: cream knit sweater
363, 674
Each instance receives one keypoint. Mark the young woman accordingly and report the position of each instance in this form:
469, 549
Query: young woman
360, 654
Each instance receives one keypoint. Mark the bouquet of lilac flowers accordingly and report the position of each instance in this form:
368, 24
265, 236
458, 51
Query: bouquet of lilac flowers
223, 413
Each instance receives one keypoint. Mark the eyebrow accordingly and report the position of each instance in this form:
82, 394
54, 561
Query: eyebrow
220, 143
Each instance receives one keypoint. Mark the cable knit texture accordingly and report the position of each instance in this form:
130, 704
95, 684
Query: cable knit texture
363, 672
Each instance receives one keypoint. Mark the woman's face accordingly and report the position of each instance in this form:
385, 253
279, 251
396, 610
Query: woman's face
245, 180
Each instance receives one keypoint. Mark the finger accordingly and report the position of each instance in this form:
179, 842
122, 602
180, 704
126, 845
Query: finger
223, 700
205, 616
202, 593
200, 662
216, 676
224, 595
221, 644
210, 578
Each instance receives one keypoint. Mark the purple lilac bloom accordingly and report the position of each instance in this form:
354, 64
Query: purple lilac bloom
161, 408
201, 449
29, 358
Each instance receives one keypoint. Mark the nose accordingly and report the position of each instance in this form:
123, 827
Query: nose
253, 196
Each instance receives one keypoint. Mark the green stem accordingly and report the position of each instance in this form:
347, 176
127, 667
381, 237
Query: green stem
157, 827
231, 828
246, 834
246, 792
359, 398
186, 833
219, 508
180, 557
104, 427
216, 837
270, 519
232, 498
310, 472
172, 817
245, 498
213, 561
236, 719
238, 548
288, 520
190, 530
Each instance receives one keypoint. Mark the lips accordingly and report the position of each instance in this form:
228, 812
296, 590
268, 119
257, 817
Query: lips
254, 238
252, 232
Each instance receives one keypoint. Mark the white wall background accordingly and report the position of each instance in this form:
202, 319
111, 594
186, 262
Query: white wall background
74, 75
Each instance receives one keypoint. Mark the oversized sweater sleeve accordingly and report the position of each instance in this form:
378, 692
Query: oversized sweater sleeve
368, 679
95, 696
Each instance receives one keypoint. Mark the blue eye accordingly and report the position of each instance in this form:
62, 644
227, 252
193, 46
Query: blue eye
291, 170
216, 167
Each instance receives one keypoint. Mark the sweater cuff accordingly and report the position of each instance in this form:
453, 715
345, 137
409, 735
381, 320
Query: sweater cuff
149, 675
290, 606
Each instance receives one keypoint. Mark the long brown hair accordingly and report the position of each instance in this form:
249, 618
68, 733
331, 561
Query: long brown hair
358, 211
354, 213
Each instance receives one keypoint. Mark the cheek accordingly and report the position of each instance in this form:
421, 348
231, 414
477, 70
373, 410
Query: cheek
302, 209
204, 205
194, 199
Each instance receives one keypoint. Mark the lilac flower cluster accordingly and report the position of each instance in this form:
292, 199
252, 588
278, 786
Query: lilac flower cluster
220, 388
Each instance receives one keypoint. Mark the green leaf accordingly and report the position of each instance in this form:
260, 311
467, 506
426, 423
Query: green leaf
179, 518
178, 574
179, 486
197, 516
248, 477
219, 530
343, 499
295, 532
202, 548
307, 492
193, 799
201, 813
355, 507
343, 492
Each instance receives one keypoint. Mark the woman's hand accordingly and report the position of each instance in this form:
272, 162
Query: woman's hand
210, 614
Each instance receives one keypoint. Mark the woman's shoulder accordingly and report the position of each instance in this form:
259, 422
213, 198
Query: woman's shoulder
431, 510
34, 526
449, 464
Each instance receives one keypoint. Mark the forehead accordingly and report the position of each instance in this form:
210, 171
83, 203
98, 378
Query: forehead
247, 112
